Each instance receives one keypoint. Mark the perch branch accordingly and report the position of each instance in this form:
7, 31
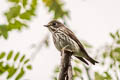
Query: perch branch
66, 68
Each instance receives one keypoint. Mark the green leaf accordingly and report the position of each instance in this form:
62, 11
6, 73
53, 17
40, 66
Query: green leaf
117, 33
56, 7
21, 73
1, 63
108, 77
4, 31
31, 12
22, 58
9, 55
26, 15
29, 67
119, 66
13, 12
2, 28
5, 35
112, 35
118, 57
7, 67
2, 55
77, 69
11, 71
24, 2
111, 54
26, 61
16, 56
111, 65
117, 49
98, 76
34, 4
118, 41
2, 70
16, 1
16, 25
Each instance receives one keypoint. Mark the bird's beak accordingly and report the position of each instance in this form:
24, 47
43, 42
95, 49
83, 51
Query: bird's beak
46, 25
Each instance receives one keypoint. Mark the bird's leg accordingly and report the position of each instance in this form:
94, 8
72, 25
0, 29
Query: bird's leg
63, 49
66, 49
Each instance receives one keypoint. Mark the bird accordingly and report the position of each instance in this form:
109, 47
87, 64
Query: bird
62, 37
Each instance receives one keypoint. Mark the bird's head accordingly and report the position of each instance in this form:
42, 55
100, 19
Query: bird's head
54, 25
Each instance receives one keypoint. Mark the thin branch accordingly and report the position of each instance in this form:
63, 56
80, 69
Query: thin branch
115, 70
87, 70
66, 68
40, 45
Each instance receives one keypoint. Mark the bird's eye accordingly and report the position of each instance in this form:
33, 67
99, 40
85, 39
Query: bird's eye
54, 24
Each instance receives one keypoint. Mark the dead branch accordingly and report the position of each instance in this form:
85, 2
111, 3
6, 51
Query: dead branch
66, 68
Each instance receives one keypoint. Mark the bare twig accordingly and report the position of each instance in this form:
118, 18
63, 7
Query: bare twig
66, 68
88, 74
38, 48
115, 70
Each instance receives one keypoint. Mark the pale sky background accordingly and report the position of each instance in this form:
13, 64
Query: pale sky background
91, 20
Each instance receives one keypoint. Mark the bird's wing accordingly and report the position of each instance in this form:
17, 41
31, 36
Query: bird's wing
72, 36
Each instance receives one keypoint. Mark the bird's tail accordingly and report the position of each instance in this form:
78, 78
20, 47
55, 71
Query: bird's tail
91, 60
82, 59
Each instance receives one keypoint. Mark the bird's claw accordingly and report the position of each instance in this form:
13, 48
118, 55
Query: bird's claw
65, 49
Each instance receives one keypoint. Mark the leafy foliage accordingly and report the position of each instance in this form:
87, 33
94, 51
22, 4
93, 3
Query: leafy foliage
4, 31
98, 76
10, 55
22, 72
2, 55
56, 6
102, 77
12, 69
16, 17
13, 12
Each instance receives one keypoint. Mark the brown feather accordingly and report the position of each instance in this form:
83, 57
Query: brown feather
72, 36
